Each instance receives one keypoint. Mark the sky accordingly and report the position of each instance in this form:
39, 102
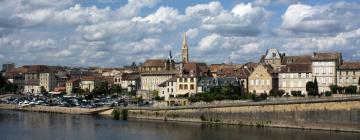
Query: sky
113, 33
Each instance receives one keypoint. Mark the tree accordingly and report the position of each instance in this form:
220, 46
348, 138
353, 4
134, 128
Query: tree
312, 88
333, 88
3, 81
116, 89
43, 90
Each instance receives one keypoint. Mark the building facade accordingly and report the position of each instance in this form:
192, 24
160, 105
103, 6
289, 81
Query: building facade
293, 77
324, 67
263, 79
348, 74
151, 80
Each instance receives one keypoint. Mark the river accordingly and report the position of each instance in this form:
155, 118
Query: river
16, 125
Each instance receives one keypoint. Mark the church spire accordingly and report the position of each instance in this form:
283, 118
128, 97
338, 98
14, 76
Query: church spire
185, 50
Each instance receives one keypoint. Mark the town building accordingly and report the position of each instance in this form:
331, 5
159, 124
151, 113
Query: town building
129, 81
158, 64
7, 67
324, 67
348, 74
274, 58
168, 88
295, 73
88, 83
151, 80
71, 85
263, 79
293, 77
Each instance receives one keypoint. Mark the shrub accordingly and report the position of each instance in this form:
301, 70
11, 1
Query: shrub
328, 93
276, 93
350, 90
158, 98
296, 93
116, 114
334, 89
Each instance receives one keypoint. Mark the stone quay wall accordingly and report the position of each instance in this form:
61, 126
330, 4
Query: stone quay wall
339, 114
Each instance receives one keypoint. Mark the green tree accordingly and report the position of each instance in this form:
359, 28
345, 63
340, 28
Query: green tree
312, 88
333, 88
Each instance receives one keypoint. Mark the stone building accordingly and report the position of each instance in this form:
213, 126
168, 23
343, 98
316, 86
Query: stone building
128, 81
324, 67
168, 88
263, 79
71, 85
88, 83
348, 74
8, 66
295, 73
184, 50
158, 64
274, 58
293, 77
151, 80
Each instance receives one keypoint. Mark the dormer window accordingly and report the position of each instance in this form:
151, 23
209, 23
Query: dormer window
274, 54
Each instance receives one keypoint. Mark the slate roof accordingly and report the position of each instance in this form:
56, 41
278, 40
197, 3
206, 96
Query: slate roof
326, 56
301, 59
154, 63
210, 81
296, 68
350, 66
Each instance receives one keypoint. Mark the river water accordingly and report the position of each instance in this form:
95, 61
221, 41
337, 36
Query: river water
15, 125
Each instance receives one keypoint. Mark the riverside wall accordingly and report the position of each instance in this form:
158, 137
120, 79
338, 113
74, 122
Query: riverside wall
322, 114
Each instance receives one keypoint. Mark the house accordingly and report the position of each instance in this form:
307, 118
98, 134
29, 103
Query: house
295, 73
34, 80
263, 79
151, 80
158, 64
71, 85
168, 88
272, 57
348, 74
324, 67
129, 81
293, 77
88, 83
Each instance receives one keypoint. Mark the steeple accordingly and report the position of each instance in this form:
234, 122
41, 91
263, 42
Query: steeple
185, 50
170, 56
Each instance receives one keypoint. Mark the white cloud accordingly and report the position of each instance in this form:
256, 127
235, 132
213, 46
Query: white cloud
243, 20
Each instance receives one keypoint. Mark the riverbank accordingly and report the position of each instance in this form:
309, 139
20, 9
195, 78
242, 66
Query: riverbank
335, 114
54, 109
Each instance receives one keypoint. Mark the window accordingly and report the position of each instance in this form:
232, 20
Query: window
256, 82
347, 72
191, 87
192, 79
353, 72
268, 82
251, 82
186, 87
180, 86
180, 80
299, 75
262, 82
185, 79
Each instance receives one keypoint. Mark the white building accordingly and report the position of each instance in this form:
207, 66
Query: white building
293, 77
324, 69
151, 80
167, 89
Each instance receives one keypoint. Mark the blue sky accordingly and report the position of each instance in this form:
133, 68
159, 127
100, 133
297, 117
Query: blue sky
112, 33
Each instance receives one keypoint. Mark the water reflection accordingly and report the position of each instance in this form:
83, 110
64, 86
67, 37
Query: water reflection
31, 125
